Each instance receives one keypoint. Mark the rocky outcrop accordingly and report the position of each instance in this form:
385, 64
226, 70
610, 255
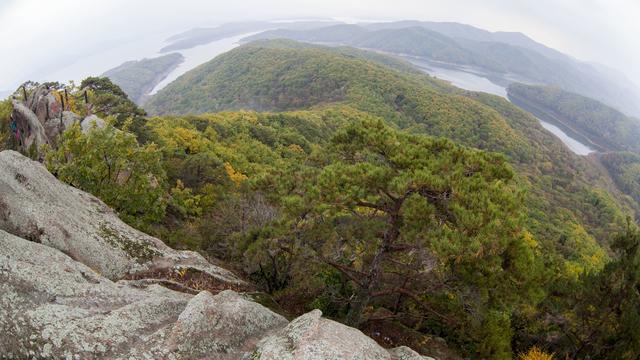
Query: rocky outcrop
67, 290
36, 206
312, 337
52, 306
29, 131
41, 118
90, 122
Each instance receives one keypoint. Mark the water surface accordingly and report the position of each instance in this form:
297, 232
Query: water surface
469, 79
199, 55
463, 79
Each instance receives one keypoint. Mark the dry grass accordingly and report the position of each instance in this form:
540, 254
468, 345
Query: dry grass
185, 280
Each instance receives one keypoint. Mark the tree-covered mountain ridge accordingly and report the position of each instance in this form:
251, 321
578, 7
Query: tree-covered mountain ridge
602, 126
138, 78
501, 55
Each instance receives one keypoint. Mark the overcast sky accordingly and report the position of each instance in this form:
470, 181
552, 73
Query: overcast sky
39, 36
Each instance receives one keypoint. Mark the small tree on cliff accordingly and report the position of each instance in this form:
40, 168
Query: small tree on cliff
104, 98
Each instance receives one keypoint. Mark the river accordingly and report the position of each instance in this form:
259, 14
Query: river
201, 54
474, 80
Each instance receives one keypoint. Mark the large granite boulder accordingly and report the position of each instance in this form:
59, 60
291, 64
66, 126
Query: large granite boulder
312, 337
56, 126
36, 206
90, 122
29, 131
52, 306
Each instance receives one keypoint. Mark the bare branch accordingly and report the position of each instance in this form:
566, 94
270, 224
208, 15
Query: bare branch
353, 274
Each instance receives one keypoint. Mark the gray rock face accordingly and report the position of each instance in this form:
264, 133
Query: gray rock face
56, 126
312, 337
40, 119
29, 130
54, 307
225, 324
90, 122
405, 353
63, 254
36, 206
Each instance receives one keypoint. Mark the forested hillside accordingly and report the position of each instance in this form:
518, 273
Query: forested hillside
138, 78
624, 167
501, 55
604, 126
347, 181
568, 210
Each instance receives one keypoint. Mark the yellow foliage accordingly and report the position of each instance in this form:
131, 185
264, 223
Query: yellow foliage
529, 240
296, 148
535, 354
588, 255
179, 137
235, 176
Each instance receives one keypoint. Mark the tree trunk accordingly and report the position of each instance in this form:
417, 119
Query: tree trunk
363, 296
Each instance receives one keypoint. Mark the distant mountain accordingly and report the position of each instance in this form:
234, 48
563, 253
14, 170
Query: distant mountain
138, 78
463, 31
502, 55
412, 41
602, 125
493, 57
201, 36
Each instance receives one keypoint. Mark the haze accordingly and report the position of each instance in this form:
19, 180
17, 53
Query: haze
40, 37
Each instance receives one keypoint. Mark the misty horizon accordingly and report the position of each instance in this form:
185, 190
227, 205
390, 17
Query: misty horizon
582, 30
